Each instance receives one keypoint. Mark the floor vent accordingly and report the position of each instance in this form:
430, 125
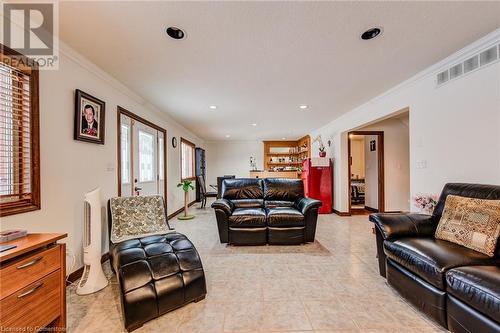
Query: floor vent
481, 59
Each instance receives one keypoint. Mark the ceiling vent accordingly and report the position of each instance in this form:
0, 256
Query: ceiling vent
443, 77
471, 64
488, 56
481, 59
456, 71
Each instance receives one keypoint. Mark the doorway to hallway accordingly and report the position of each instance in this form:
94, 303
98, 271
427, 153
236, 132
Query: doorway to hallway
366, 172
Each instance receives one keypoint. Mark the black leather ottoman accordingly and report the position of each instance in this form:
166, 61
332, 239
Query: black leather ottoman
156, 274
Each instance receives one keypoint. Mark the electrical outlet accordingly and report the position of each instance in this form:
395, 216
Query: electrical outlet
421, 164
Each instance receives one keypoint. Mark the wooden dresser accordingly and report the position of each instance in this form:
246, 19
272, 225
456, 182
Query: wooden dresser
32, 284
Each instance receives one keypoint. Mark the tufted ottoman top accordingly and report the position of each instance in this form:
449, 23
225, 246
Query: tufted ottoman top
157, 274
161, 256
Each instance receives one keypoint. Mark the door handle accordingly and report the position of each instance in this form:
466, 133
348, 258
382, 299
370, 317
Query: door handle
137, 188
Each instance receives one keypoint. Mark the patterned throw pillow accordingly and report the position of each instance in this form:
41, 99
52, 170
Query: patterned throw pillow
473, 223
135, 217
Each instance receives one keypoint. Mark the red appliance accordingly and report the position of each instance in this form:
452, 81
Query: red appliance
317, 174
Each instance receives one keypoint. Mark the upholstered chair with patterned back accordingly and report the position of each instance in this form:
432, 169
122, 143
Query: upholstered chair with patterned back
158, 270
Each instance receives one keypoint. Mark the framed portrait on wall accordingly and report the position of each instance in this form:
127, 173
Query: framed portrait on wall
89, 118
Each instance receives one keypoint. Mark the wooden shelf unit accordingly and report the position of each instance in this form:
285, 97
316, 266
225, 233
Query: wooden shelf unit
301, 151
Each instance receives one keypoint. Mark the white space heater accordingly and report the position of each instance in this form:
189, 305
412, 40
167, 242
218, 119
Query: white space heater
93, 278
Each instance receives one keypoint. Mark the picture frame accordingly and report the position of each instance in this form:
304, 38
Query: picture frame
174, 142
373, 145
90, 116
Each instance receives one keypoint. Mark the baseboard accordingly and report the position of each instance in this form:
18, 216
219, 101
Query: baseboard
341, 213
178, 211
370, 209
76, 275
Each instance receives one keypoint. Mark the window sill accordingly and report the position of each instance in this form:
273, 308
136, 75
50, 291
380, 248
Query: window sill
18, 209
190, 178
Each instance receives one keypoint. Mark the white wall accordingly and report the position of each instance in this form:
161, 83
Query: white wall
449, 126
371, 179
396, 164
70, 168
232, 158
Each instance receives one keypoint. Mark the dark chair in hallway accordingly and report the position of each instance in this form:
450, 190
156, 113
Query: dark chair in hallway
203, 192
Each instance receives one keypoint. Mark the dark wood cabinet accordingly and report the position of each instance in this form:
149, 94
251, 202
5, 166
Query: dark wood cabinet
200, 169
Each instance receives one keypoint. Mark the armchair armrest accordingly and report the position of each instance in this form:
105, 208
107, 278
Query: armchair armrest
223, 204
392, 226
304, 204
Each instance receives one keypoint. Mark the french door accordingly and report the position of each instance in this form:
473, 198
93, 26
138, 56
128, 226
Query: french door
141, 157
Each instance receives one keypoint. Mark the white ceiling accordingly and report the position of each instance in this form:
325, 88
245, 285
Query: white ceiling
258, 61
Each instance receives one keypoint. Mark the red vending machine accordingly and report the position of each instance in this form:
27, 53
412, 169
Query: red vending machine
317, 174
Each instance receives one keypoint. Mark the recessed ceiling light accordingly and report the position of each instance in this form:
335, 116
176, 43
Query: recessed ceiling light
303, 107
212, 107
371, 33
228, 136
175, 33
254, 124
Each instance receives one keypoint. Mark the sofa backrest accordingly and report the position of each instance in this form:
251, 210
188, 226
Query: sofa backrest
242, 188
479, 191
283, 190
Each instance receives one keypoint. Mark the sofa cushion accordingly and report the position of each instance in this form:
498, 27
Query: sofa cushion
282, 189
242, 188
478, 286
431, 258
471, 222
248, 218
278, 203
248, 203
284, 217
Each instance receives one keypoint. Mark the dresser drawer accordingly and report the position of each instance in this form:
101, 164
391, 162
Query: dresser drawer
36, 305
20, 273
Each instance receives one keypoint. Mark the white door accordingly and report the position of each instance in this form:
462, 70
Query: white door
142, 158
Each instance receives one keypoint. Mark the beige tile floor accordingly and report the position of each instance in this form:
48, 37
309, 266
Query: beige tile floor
331, 285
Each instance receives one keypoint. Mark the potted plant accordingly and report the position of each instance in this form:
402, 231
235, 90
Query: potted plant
186, 186
319, 140
426, 202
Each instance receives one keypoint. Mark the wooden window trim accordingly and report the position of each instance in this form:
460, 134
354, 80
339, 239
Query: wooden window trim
30, 68
193, 146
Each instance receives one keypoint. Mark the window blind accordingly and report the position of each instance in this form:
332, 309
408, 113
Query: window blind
15, 136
